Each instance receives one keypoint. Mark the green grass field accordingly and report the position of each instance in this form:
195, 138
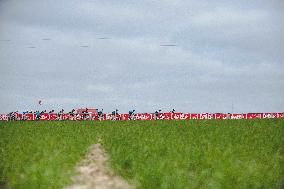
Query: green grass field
149, 154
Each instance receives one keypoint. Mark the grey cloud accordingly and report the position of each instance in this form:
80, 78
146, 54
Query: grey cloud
226, 53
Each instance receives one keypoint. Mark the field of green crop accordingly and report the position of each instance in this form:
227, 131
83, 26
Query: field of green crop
149, 154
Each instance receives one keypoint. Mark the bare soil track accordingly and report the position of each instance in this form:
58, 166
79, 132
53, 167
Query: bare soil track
94, 174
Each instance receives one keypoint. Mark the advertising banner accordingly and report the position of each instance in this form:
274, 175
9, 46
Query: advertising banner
139, 116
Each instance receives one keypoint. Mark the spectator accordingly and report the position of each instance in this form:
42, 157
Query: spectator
100, 114
228, 116
16, 114
114, 115
131, 114
71, 113
24, 115
157, 114
10, 116
38, 115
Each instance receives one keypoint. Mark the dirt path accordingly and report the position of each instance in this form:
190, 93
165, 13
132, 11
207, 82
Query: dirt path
93, 173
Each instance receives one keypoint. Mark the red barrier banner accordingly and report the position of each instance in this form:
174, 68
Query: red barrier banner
65, 116
3, 117
176, 116
165, 116
194, 116
210, 116
18, 116
52, 117
220, 116
45, 117
30, 117
280, 115
267, 115
184, 116
203, 116
124, 117
254, 115
237, 116
139, 116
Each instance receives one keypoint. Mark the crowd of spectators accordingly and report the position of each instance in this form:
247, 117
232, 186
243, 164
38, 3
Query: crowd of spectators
72, 115
95, 114
80, 114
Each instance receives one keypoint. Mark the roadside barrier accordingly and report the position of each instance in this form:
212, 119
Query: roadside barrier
139, 116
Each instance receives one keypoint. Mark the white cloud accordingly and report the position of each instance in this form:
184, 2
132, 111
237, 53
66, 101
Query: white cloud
99, 88
226, 51
228, 18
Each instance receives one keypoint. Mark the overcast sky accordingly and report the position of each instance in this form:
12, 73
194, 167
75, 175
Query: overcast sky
228, 56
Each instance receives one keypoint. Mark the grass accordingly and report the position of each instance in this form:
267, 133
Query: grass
150, 154
41, 154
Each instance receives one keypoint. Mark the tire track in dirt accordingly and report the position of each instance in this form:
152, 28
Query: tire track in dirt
92, 172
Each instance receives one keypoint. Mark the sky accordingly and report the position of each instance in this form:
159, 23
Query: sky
193, 56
